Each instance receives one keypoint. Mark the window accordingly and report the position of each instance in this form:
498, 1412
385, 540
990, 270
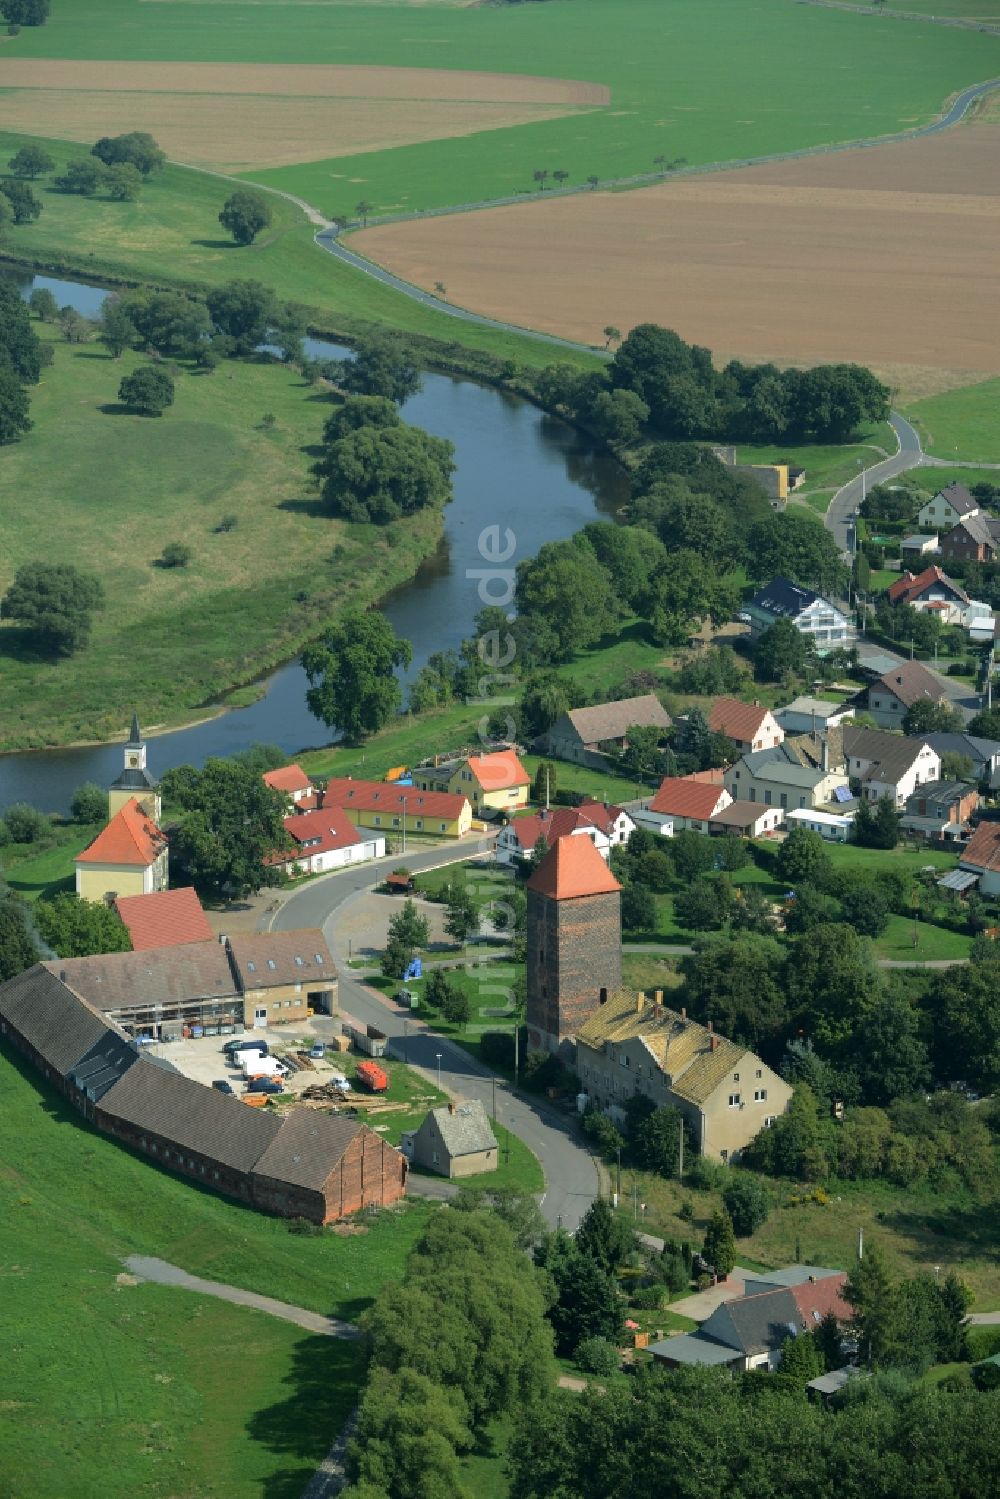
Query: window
734, 1100
272, 965
758, 1073
760, 1095
768, 1121
395, 822
767, 796
299, 962
622, 1059
444, 827
420, 822
736, 1077
319, 958
251, 968
378, 822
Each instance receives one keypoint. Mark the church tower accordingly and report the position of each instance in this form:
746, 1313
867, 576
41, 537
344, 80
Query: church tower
135, 780
574, 946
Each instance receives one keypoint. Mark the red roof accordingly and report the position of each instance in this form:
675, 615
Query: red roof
551, 825
498, 771
815, 1298
165, 918
287, 778
602, 814
376, 796
909, 587
680, 797
129, 838
735, 719
573, 868
330, 825
983, 848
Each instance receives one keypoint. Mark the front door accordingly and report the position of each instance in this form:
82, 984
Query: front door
260, 1019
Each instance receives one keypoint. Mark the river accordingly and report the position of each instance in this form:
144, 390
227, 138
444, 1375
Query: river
516, 468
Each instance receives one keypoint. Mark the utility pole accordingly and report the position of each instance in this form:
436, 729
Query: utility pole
619, 1192
680, 1150
515, 1049
494, 1098
404, 823
546, 785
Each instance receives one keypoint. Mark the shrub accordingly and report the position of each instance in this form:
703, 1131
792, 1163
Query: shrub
25, 824
747, 1202
597, 1356
176, 554
650, 1298
89, 804
705, 1175
601, 1131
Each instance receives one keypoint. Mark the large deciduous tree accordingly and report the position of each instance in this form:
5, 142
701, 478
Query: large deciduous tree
148, 390
351, 672
137, 149
381, 367
233, 823
53, 602
77, 928
565, 588
379, 474
18, 948
795, 547
15, 420
20, 348
31, 161
244, 214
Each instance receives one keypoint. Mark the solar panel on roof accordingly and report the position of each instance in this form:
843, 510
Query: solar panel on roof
843, 794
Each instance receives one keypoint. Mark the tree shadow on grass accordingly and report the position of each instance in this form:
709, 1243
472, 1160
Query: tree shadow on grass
972, 1228
17, 645
115, 408
305, 506
323, 1385
217, 244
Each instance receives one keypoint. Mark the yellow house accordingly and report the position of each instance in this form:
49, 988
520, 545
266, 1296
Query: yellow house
135, 781
128, 857
493, 783
398, 809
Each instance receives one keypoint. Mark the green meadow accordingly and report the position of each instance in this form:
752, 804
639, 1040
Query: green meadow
961, 423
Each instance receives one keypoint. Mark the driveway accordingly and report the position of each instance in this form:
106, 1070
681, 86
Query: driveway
703, 1303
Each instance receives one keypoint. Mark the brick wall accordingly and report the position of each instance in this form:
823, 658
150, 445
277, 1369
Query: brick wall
201, 1168
574, 950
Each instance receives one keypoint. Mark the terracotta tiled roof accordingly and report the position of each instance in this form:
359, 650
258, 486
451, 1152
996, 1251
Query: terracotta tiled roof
687, 798
498, 771
287, 778
815, 1299
165, 918
129, 838
573, 868
331, 825
735, 719
983, 848
911, 683
263, 959
377, 796
551, 825
910, 587
601, 814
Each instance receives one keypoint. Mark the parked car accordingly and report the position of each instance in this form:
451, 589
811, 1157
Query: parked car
222, 1086
339, 1081
264, 1085
232, 1047
318, 1050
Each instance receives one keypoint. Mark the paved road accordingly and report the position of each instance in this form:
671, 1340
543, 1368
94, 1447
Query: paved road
909, 454
165, 1274
570, 1173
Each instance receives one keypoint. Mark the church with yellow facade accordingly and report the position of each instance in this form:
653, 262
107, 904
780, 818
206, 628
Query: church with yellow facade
129, 855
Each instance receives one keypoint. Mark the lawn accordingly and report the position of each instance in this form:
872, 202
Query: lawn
933, 943
131, 1389
32, 870
960, 424
826, 465
110, 489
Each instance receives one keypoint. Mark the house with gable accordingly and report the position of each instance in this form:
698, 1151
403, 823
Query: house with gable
932, 592
949, 506
983, 754
976, 538
827, 626
518, 840
890, 765
164, 918
632, 1044
980, 858
897, 689
582, 734
788, 777
455, 1140
326, 838
685, 802
494, 783
748, 725
292, 782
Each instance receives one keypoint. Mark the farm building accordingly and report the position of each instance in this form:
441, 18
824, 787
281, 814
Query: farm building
306, 1165
582, 733
165, 918
455, 1140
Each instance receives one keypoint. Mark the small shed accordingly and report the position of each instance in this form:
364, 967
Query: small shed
827, 1385
455, 1140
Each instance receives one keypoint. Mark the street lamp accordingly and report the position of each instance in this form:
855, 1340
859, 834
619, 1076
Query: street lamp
438, 1055
403, 802
406, 1049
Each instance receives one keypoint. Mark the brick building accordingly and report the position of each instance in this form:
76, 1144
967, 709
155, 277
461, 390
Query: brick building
574, 946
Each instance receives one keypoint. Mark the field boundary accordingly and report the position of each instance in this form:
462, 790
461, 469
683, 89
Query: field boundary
960, 23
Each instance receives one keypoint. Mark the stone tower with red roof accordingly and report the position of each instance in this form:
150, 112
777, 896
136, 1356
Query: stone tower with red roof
574, 947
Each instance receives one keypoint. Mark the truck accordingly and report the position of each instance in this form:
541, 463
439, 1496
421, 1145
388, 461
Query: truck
370, 1040
373, 1077
254, 1065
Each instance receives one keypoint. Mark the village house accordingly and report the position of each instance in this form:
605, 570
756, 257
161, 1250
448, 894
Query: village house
899, 688
805, 715
827, 626
748, 725
950, 505
582, 734
305, 1165
494, 783
325, 839
747, 820
394, 808
283, 976
517, 841
749, 1331
983, 755
455, 1140
974, 539
889, 764
128, 857
292, 782
634, 1045
941, 810
687, 802
786, 779
932, 592
979, 859
165, 918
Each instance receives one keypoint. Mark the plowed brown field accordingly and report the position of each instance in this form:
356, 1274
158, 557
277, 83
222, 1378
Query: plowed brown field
234, 117
887, 255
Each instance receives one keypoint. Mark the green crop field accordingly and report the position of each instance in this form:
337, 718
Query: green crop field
109, 490
114, 1389
961, 424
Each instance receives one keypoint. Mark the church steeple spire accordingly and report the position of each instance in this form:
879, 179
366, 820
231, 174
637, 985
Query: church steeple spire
135, 733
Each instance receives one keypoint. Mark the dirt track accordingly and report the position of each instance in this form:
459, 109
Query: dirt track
886, 255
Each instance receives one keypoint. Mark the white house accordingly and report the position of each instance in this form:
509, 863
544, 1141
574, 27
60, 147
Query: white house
748, 725
889, 764
810, 613
829, 825
687, 802
808, 715
291, 781
947, 508
518, 839
899, 688
327, 839
747, 820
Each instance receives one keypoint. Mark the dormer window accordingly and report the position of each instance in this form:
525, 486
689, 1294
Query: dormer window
272, 964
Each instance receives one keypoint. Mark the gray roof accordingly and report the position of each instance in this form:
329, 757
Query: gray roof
786, 600
134, 733
938, 796
818, 705
959, 498
829, 1384
982, 528
891, 755
307, 1147
612, 720
51, 1018
188, 1114
692, 1348
911, 682
978, 750
100, 1068
160, 975
774, 765
755, 1324
466, 1131
265, 958
132, 779
791, 1275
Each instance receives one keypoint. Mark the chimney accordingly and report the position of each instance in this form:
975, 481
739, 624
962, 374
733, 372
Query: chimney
709, 1026
825, 753
715, 1041
756, 702
451, 1108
